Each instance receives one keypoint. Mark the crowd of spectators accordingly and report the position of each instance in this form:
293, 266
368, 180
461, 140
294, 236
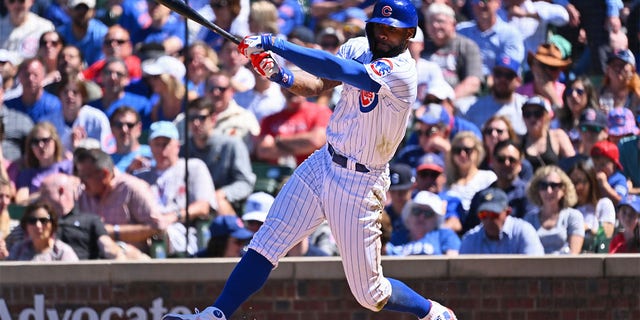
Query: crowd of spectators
130, 133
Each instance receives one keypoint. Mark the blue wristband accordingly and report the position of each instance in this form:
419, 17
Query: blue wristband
267, 41
283, 78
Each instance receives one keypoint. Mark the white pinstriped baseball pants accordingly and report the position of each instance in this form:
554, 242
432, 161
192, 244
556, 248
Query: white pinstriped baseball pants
351, 202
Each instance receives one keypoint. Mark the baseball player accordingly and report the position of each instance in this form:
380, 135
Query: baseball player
346, 181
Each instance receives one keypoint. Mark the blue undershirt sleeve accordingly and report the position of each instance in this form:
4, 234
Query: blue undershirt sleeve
325, 65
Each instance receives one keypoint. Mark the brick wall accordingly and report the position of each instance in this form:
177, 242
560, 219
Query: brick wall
591, 287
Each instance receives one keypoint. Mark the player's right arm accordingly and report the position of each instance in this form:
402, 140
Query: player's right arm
308, 85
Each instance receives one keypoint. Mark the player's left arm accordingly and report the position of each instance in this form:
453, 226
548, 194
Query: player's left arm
318, 63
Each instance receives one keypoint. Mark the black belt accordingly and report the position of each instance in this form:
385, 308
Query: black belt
342, 160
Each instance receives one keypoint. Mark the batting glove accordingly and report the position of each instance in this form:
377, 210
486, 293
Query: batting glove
265, 65
255, 44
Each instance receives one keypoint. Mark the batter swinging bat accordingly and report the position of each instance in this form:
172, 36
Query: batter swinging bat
184, 10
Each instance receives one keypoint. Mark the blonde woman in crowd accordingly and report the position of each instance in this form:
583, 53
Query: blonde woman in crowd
44, 155
165, 77
559, 226
6, 197
201, 62
464, 178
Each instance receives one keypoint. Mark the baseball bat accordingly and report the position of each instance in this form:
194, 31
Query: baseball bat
184, 10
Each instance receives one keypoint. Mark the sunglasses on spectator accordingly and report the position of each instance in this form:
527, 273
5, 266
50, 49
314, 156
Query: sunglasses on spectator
118, 41
544, 185
423, 211
199, 117
535, 114
504, 159
219, 4
488, 215
214, 88
34, 220
431, 174
591, 129
459, 150
489, 131
37, 141
570, 91
429, 132
120, 124
504, 74
14, 1
52, 42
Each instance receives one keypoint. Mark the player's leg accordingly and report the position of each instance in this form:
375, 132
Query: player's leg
354, 221
294, 214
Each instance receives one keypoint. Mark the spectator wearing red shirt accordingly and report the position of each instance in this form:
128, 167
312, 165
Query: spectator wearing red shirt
295, 132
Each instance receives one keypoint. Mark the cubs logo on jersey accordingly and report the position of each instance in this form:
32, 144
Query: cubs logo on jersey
381, 67
368, 101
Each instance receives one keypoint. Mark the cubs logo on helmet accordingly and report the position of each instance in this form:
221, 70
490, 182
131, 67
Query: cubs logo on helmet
381, 67
395, 13
368, 101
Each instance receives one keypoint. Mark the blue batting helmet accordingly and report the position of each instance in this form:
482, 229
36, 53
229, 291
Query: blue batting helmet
395, 13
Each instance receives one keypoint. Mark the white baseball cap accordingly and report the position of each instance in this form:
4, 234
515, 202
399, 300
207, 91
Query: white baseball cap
257, 206
164, 65
430, 199
10, 56
89, 3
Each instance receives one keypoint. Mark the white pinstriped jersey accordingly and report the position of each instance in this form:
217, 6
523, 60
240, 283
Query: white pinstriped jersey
368, 127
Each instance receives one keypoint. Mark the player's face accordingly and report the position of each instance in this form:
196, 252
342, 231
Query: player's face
388, 41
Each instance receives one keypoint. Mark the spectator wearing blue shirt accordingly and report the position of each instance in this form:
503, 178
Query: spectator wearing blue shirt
165, 28
506, 162
424, 216
130, 154
114, 79
290, 15
83, 31
492, 34
500, 232
34, 101
430, 177
402, 183
612, 182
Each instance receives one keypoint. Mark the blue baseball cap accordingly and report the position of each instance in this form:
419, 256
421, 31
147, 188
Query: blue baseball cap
506, 61
431, 161
625, 55
493, 200
632, 201
163, 129
435, 114
231, 226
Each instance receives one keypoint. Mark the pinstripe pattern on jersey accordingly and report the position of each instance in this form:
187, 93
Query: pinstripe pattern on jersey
372, 137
